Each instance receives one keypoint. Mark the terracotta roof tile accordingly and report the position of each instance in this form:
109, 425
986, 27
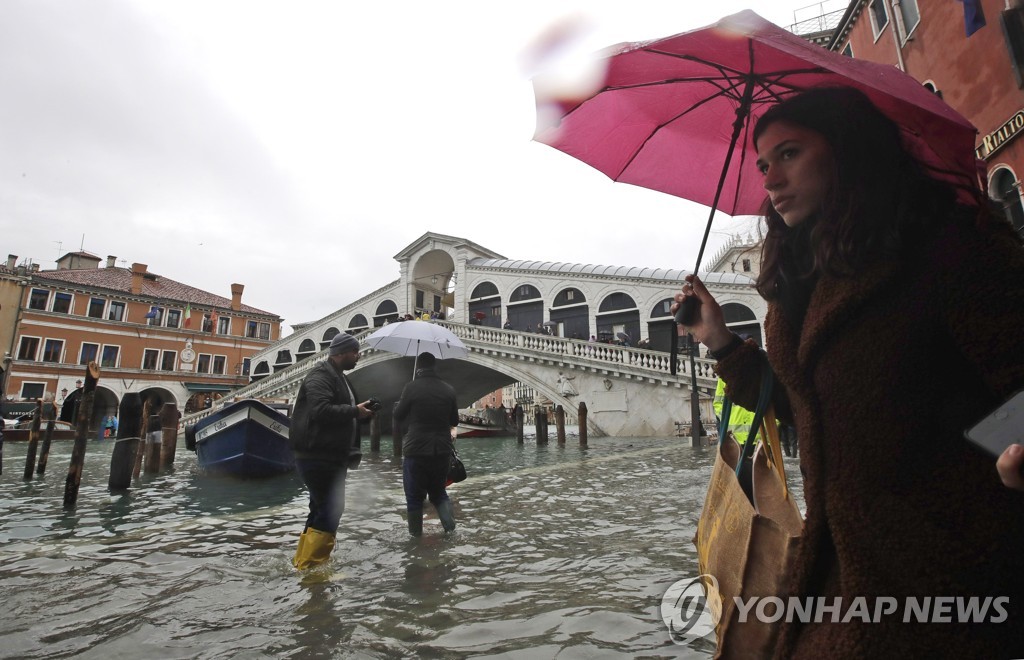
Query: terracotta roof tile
153, 286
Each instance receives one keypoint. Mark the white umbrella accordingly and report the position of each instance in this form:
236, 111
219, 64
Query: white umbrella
415, 337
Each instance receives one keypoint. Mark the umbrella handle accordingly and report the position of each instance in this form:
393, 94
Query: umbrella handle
688, 311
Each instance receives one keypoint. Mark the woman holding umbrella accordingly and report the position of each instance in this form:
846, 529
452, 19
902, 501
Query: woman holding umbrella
894, 320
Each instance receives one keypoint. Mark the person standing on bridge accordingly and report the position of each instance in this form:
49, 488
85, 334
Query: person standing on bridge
428, 409
325, 434
893, 324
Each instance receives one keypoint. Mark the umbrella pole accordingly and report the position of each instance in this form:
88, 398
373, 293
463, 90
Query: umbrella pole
687, 312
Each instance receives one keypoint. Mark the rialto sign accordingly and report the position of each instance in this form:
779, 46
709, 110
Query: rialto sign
1000, 137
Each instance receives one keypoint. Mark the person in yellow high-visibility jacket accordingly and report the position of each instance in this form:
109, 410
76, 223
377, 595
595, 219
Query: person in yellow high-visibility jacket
740, 419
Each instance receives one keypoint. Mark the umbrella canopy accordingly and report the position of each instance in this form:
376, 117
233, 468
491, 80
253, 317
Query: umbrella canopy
676, 114
414, 337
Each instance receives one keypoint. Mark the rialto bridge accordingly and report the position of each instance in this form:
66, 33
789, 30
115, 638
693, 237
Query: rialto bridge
629, 390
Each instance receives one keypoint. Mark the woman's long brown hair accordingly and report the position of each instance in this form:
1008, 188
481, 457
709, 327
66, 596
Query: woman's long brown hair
881, 201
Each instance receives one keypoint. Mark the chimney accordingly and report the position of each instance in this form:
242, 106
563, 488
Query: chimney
35, 268
111, 261
12, 261
138, 270
236, 296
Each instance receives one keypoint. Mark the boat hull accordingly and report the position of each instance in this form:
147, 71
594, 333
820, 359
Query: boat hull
17, 435
245, 439
477, 431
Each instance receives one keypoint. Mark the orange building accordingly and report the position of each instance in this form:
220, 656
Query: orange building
981, 75
168, 341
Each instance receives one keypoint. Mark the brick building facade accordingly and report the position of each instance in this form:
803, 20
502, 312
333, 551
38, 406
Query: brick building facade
169, 341
980, 75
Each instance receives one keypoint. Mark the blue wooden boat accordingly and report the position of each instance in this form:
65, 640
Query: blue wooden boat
247, 438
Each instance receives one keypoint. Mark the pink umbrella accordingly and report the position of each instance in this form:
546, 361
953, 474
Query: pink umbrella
676, 114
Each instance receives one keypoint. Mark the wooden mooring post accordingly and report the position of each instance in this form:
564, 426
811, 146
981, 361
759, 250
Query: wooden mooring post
169, 442
33, 441
122, 459
74, 478
583, 424
140, 448
560, 424
154, 438
540, 424
517, 415
396, 432
375, 433
50, 415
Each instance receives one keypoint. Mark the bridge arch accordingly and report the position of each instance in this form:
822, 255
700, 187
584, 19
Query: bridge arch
485, 304
357, 323
262, 370
571, 313
329, 334
741, 319
284, 359
306, 348
661, 326
431, 275
617, 312
387, 312
525, 307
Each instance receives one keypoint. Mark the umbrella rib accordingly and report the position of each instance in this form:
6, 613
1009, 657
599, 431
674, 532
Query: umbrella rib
737, 79
764, 81
657, 129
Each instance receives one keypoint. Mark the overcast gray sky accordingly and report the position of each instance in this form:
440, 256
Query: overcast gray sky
297, 146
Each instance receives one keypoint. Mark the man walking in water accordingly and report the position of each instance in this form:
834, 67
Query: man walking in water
325, 435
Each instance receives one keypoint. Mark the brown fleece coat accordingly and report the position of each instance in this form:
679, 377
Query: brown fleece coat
888, 370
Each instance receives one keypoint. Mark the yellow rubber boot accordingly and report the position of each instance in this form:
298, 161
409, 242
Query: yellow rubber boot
300, 552
315, 548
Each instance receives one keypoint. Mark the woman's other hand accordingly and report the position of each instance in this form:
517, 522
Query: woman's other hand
709, 323
1009, 466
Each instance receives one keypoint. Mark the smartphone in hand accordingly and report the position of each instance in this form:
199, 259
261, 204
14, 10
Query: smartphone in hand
1000, 428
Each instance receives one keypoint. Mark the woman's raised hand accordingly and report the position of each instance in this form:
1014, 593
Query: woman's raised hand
708, 325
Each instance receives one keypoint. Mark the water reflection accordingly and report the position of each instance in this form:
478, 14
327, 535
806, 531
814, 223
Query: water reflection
559, 551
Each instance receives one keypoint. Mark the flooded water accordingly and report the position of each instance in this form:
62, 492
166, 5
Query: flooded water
560, 552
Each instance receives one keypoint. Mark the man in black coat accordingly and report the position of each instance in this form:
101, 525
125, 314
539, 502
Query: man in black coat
429, 410
324, 433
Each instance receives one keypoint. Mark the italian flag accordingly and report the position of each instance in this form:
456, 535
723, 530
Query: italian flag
188, 315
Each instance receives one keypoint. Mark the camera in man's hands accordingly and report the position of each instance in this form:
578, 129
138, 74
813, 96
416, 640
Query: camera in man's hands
373, 404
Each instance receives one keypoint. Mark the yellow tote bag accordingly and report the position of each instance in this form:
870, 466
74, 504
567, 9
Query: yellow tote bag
746, 546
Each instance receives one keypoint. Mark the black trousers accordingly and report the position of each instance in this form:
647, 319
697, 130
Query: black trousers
326, 485
422, 477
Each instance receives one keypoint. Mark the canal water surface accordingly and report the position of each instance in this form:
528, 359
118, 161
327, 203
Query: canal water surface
560, 552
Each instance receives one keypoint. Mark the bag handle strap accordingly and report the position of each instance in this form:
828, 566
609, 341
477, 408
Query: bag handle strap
763, 401
773, 446
764, 421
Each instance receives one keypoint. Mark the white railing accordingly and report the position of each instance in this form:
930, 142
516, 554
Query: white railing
580, 351
637, 361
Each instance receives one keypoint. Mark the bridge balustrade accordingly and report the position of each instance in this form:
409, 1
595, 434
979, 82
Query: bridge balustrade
476, 337
581, 350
